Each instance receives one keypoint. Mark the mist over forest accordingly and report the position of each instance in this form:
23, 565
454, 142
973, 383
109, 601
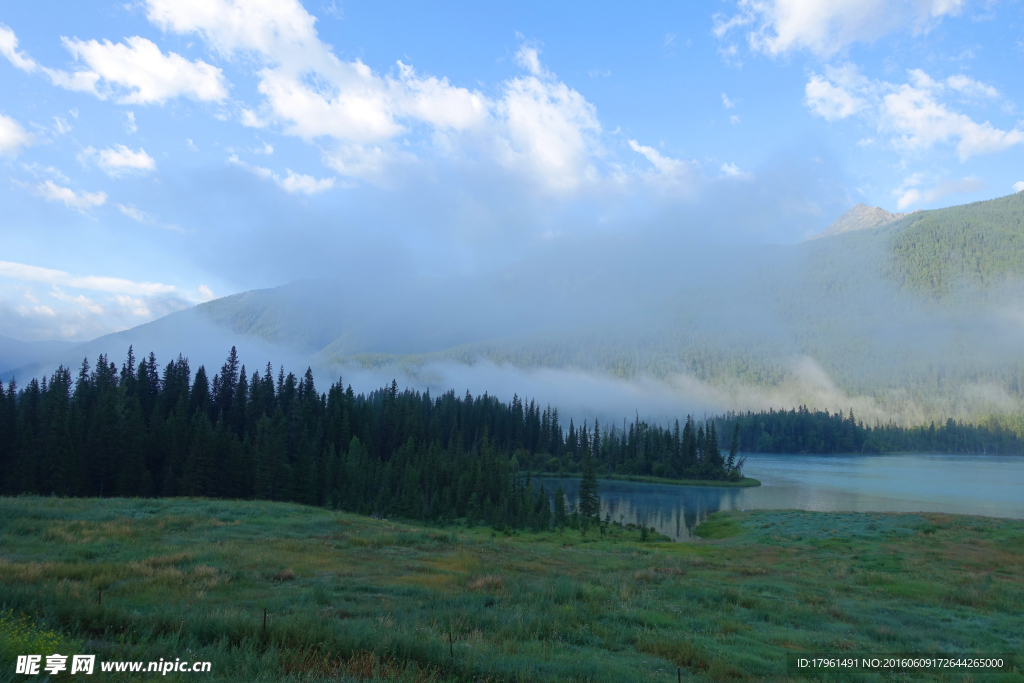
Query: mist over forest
880, 320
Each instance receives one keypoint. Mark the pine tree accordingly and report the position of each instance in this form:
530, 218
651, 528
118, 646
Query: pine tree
409, 454
734, 448
559, 518
589, 495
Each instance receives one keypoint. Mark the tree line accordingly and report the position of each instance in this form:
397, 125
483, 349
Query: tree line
143, 431
815, 431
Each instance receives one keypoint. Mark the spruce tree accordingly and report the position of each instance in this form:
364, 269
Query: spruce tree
590, 497
559, 518
734, 448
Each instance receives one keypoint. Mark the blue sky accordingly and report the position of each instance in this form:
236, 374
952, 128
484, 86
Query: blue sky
159, 153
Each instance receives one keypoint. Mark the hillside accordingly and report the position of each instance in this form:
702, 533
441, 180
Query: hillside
974, 245
860, 217
15, 353
912, 318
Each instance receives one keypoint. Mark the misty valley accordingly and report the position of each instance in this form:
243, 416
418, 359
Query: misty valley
696, 496
404, 342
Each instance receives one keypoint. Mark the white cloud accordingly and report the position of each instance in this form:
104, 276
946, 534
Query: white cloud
734, 119
133, 213
139, 216
537, 126
830, 102
664, 164
9, 49
909, 194
52, 192
549, 128
292, 183
80, 300
306, 87
13, 138
912, 113
1018, 186
437, 102
908, 198
971, 88
296, 182
37, 169
528, 57
251, 119
95, 283
61, 125
137, 72
267, 27
130, 126
355, 106
921, 122
674, 175
121, 158
41, 311
726, 102
774, 27
369, 162
84, 307
732, 171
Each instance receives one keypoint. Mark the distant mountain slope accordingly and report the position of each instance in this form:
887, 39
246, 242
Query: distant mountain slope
15, 353
917, 317
860, 217
979, 244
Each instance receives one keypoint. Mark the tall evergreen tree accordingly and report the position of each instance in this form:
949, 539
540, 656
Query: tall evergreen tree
589, 495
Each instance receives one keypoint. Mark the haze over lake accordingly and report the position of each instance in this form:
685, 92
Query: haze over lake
957, 484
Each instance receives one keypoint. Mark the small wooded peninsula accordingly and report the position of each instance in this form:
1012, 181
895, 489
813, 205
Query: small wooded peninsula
140, 431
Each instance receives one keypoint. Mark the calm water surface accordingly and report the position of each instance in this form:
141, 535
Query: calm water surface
972, 485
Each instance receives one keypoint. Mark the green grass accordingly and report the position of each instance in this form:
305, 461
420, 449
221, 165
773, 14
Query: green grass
351, 598
718, 527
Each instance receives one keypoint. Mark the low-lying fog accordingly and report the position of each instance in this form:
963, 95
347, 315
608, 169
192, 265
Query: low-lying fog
652, 324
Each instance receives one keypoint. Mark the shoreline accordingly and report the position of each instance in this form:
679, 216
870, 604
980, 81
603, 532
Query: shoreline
745, 482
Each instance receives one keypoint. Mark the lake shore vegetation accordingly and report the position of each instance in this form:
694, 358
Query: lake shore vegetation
139, 432
349, 597
800, 430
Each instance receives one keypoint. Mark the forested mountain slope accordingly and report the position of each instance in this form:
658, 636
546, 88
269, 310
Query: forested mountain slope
981, 244
918, 318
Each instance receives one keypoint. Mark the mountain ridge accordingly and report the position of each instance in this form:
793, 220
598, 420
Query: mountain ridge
876, 312
860, 217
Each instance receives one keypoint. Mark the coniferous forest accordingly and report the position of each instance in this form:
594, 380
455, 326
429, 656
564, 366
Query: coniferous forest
140, 431
814, 431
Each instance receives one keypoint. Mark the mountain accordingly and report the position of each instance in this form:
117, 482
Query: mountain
860, 217
15, 353
915, 318
980, 245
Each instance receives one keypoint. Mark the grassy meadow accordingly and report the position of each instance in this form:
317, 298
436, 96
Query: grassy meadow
352, 598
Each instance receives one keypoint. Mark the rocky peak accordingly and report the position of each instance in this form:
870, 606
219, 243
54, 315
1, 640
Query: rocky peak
860, 217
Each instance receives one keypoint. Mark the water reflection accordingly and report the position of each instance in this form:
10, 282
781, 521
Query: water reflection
972, 485
672, 510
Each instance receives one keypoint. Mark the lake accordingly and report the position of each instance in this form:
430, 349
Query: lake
960, 484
